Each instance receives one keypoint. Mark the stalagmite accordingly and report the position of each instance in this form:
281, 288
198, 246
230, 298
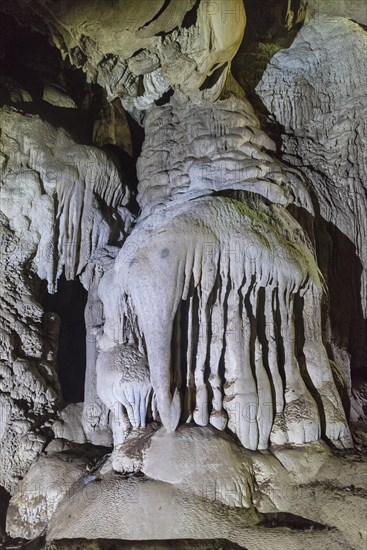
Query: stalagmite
124, 386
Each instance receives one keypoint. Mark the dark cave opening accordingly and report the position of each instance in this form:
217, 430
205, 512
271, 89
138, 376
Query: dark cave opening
28, 58
69, 303
4, 503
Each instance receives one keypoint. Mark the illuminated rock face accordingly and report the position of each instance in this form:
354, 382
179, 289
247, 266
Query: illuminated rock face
56, 200
214, 284
138, 51
210, 363
325, 132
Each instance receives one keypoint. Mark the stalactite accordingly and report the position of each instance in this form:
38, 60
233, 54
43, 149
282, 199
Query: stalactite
272, 359
319, 370
218, 417
223, 302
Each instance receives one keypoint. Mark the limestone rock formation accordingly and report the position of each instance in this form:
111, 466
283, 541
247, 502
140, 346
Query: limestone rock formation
235, 263
333, 506
38, 495
49, 195
223, 389
315, 90
139, 51
324, 118
123, 384
355, 10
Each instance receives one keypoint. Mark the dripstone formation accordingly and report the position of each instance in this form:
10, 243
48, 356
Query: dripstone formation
224, 392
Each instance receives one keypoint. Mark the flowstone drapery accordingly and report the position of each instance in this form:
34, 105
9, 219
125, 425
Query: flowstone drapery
214, 288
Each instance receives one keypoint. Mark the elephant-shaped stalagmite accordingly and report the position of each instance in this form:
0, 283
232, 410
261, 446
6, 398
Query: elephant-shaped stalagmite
219, 323
218, 282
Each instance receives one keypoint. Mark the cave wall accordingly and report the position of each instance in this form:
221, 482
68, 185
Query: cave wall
165, 126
